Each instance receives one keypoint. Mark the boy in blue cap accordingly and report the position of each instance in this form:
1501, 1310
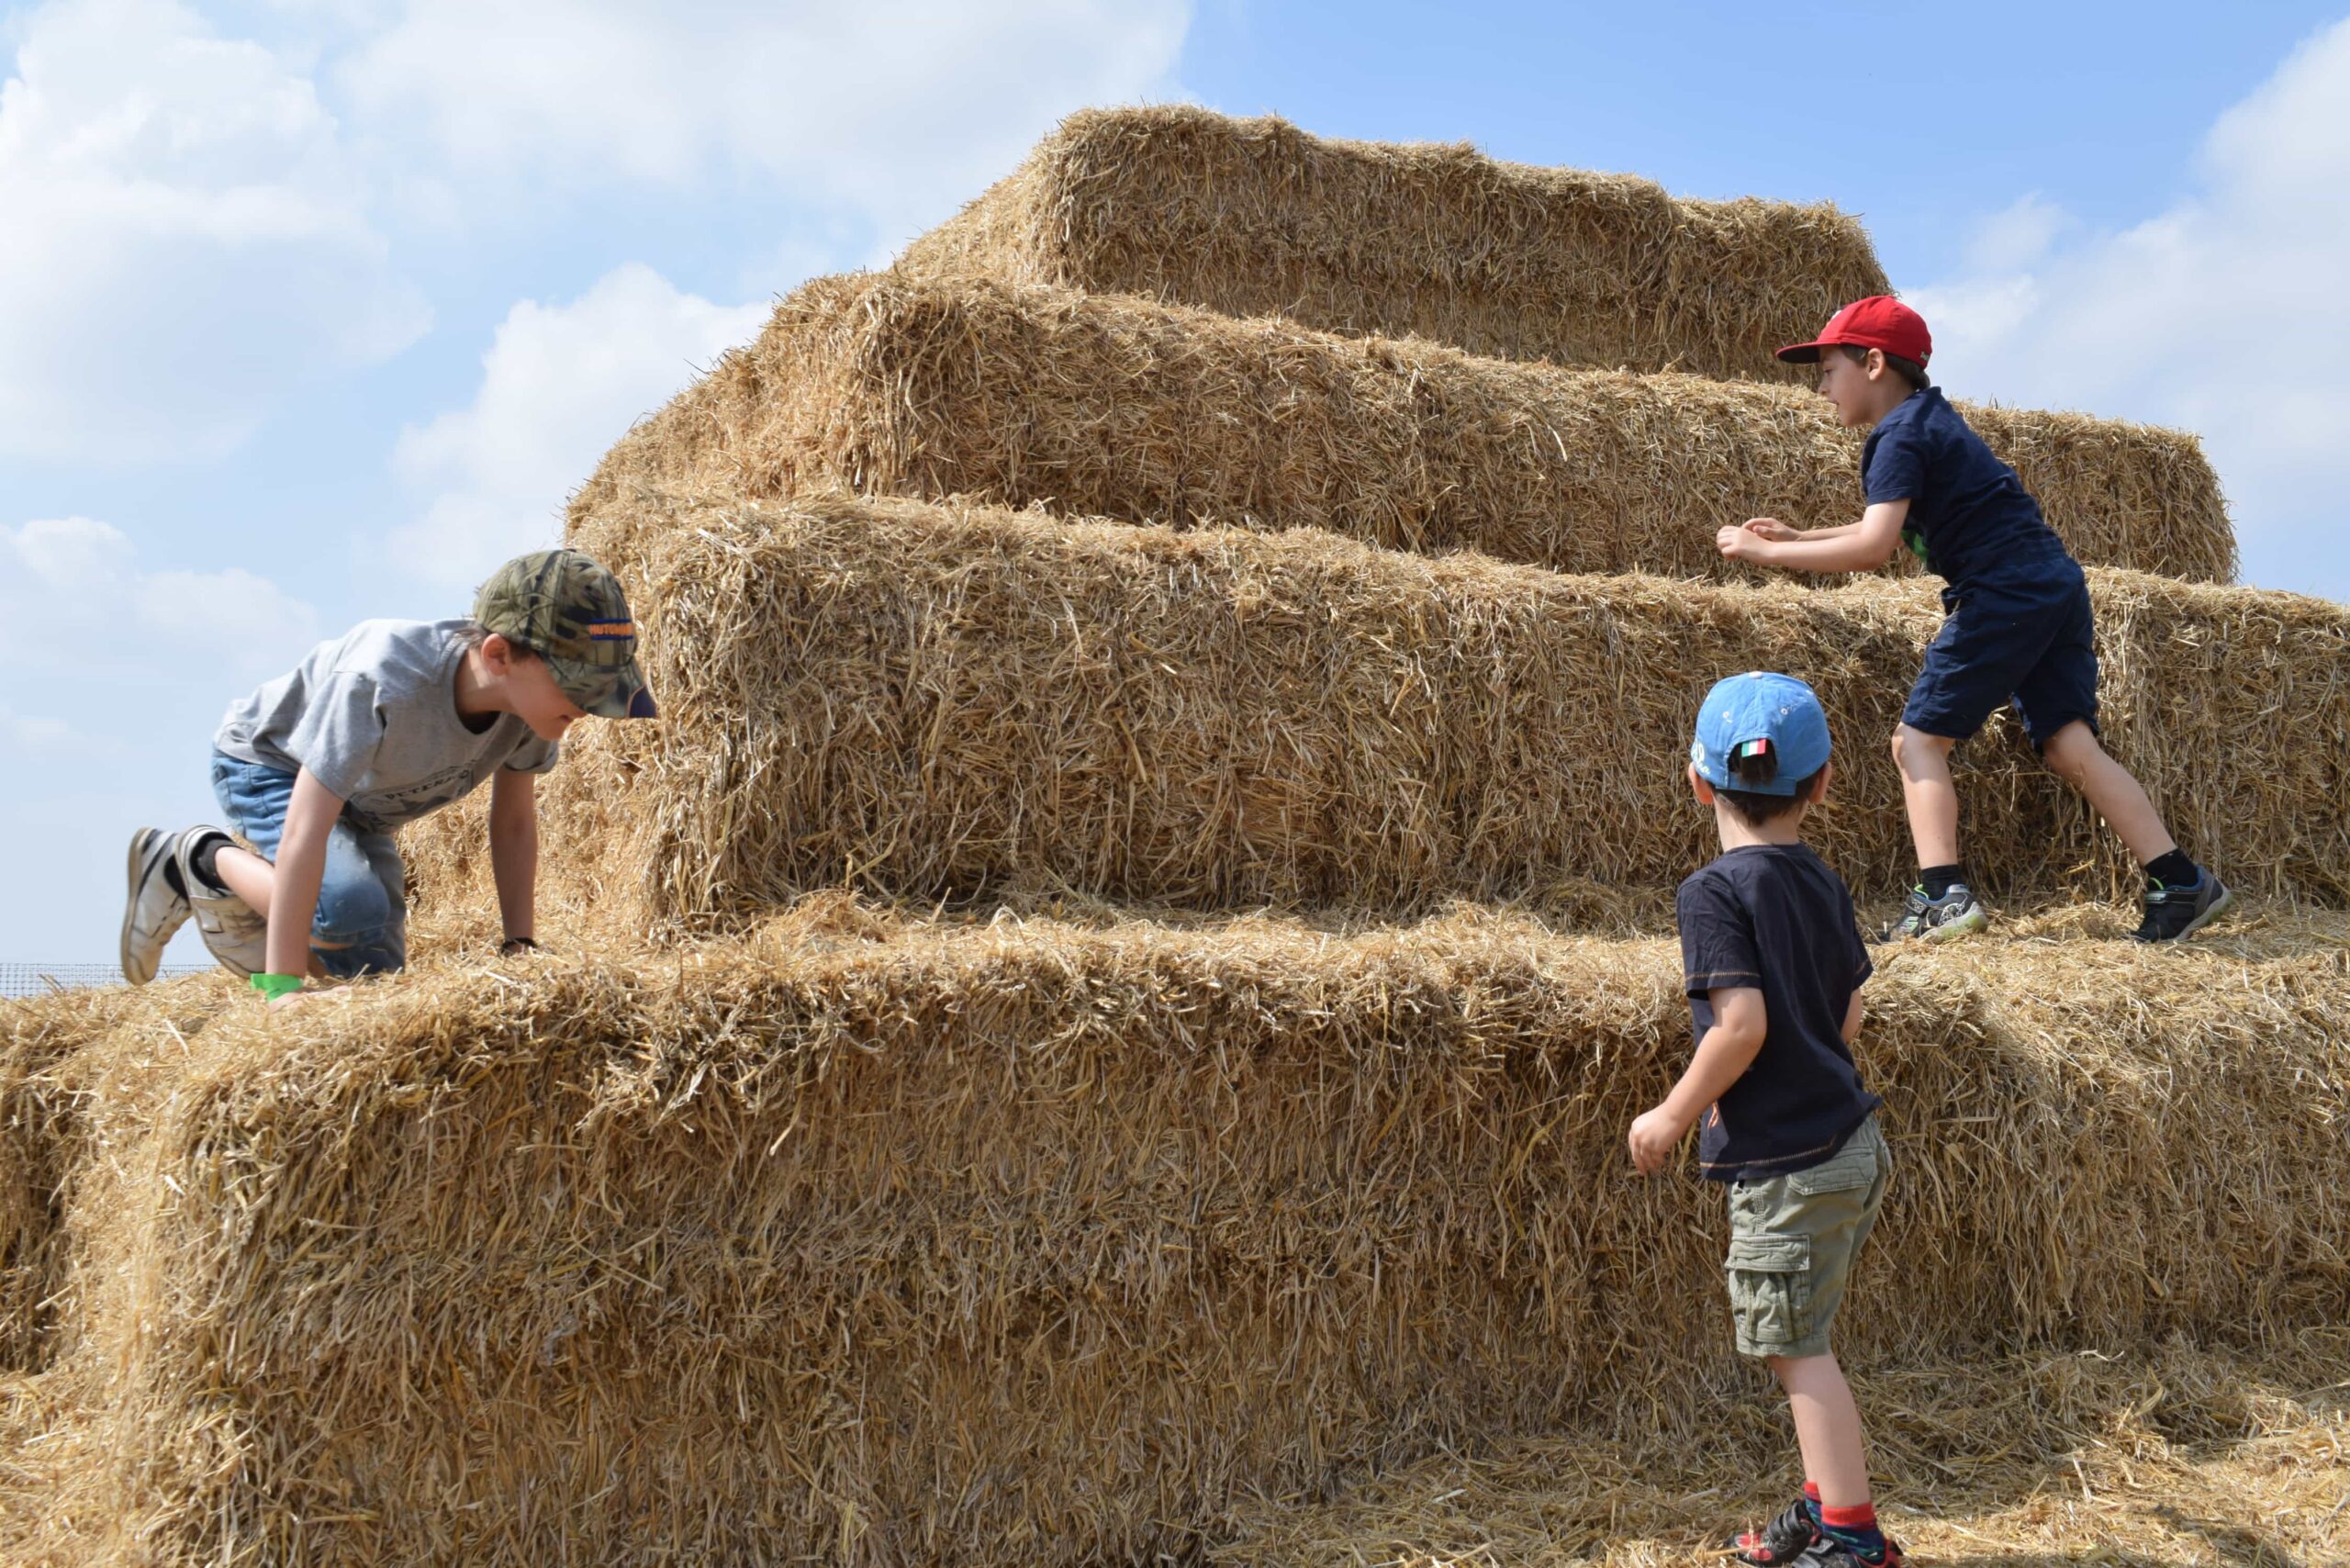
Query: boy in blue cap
2019, 627
1772, 961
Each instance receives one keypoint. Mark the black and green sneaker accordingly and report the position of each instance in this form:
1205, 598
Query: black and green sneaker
2173, 914
1955, 913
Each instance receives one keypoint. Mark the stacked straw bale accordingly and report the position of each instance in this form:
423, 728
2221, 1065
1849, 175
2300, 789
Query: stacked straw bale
1023, 395
873, 1242
2172, 1454
1256, 218
941, 702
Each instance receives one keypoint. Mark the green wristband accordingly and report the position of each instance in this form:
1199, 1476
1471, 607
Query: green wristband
274, 986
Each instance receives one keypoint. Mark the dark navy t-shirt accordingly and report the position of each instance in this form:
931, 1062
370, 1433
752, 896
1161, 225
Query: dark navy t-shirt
1773, 916
1971, 519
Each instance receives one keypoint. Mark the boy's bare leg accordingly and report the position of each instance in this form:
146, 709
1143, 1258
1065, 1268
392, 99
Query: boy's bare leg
248, 875
2074, 755
1927, 791
251, 878
1828, 1427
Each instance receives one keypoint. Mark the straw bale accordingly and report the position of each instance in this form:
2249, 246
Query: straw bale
870, 1241
2141, 1455
1256, 218
1022, 395
42, 1132
947, 702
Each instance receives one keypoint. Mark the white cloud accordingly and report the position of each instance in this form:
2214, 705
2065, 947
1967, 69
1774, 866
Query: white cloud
2219, 314
2019, 237
41, 739
75, 602
182, 238
559, 384
895, 109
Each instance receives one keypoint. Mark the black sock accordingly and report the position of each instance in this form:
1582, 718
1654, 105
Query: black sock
2173, 870
205, 861
1936, 880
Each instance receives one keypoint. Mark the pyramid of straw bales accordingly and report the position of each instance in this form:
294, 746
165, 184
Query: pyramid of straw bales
1100, 1024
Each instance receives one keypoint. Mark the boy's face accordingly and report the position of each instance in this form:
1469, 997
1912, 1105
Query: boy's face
537, 701
1846, 383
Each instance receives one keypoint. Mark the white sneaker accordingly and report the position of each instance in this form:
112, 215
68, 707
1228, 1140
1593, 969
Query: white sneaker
232, 933
153, 909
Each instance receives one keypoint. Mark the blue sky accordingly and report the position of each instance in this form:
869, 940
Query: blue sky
311, 309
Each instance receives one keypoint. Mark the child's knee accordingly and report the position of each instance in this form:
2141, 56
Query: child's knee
2069, 751
353, 912
1918, 754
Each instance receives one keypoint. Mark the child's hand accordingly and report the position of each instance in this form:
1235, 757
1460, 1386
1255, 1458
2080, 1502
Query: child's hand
291, 998
1740, 542
1771, 528
1655, 1134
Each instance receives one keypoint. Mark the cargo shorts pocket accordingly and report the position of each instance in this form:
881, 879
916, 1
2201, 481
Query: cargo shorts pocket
1769, 1288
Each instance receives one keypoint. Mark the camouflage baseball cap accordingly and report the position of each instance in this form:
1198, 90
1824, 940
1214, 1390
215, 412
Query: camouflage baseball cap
571, 612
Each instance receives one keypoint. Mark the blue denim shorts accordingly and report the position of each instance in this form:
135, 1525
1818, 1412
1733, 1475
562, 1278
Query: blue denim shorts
361, 927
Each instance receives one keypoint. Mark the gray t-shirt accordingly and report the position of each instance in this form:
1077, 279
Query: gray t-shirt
374, 716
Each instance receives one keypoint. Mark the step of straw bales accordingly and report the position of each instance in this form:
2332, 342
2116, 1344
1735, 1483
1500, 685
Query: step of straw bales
940, 703
1122, 408
867, 1239
1256, 218
2166, 1454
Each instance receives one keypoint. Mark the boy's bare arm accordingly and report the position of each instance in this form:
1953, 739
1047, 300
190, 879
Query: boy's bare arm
514, 850
1726, 1052
301, 867
1853, 1020
1862, 547
1771, 528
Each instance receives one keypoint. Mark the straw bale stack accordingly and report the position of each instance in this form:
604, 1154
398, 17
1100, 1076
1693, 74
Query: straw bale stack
1023, 395
1256, 218
941, 702
875, 1242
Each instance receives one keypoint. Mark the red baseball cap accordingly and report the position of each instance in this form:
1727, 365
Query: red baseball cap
1880, 321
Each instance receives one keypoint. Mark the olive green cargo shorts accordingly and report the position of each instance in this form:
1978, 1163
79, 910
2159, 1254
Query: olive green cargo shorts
1792, 1242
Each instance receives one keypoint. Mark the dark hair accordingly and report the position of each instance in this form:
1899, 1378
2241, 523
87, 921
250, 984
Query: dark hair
1753, 806
1909, 370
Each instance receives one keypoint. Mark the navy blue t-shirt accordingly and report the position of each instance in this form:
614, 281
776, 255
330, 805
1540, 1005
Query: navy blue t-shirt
1775, 917
1970, 519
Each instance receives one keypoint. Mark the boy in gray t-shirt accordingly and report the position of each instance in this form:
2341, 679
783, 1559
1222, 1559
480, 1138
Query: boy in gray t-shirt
392, 721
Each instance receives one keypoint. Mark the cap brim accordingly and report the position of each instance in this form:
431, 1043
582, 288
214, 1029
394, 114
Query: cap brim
1804, 354
612, 691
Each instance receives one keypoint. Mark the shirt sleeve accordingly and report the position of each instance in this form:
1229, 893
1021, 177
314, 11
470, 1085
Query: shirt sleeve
1717, 939
535, 755
339, 733
1896, 466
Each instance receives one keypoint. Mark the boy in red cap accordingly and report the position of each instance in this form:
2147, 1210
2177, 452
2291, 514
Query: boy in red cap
2019, 628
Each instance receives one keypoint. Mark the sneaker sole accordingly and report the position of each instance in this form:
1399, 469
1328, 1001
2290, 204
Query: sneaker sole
1968, 925
132, 877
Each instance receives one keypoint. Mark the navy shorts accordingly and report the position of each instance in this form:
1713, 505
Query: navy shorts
2036, 648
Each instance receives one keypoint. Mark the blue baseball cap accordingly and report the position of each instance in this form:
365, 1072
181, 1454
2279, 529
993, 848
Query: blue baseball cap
1756, 713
